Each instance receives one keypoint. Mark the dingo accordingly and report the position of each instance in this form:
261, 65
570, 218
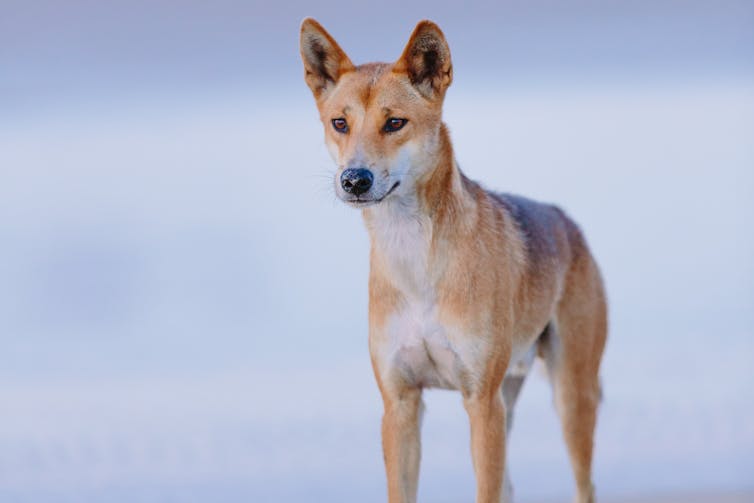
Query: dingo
466, 286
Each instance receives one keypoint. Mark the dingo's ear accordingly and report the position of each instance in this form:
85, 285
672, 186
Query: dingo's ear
324, 60
426, 60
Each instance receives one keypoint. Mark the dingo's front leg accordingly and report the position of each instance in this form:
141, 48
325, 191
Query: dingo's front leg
487, 419
401, 442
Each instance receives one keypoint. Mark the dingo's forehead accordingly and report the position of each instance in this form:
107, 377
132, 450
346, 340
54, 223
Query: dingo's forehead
374, 88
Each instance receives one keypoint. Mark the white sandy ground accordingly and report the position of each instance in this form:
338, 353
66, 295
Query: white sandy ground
724, 497
703, 497
706, 497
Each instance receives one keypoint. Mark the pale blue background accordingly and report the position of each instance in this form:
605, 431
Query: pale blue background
183, 300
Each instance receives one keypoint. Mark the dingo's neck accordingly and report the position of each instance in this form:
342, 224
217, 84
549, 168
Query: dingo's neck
405, 229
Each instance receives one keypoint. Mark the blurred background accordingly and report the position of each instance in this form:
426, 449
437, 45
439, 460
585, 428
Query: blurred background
183, 300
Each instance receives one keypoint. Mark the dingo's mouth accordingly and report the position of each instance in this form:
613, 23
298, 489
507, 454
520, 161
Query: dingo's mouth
363, 202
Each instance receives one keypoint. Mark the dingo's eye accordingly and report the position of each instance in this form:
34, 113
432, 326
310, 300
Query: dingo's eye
394, 124
340, 125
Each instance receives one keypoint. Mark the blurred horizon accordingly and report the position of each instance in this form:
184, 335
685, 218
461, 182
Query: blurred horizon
175, 326
82, 51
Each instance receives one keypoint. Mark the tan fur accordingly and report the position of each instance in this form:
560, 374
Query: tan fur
463, 282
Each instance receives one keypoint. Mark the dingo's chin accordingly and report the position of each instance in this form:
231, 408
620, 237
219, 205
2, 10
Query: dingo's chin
368, 199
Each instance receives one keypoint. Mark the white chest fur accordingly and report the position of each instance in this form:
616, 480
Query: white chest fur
401, 236
421, 350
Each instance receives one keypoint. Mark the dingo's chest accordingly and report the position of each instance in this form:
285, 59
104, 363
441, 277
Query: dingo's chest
417, 347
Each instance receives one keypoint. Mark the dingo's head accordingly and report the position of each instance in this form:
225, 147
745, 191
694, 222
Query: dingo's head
382, 121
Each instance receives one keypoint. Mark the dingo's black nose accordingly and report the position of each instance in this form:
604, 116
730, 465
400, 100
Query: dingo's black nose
356, 180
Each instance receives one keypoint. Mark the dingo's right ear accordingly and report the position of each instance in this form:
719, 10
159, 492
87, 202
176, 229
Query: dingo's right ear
324, 60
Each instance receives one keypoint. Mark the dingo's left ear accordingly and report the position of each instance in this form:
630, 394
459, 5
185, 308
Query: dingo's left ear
324, 60
426, 59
